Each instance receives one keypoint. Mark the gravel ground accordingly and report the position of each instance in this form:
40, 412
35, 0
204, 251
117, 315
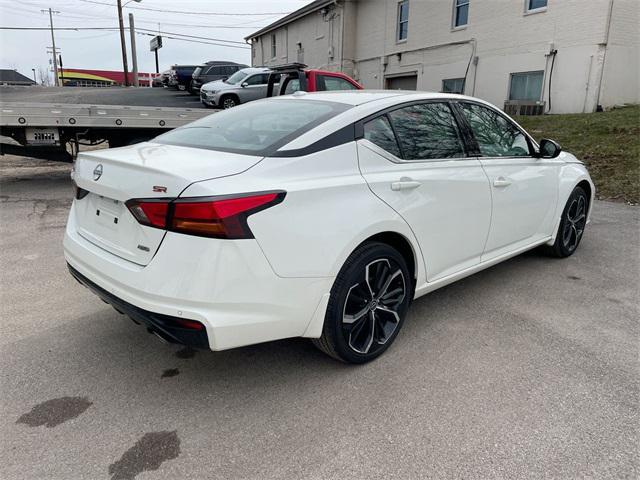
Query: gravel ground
526, 370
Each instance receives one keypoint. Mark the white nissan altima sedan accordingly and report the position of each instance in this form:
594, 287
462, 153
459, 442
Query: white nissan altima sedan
316, 215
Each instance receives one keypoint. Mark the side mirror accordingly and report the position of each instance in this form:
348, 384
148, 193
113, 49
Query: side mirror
244, 84
224, 79
549, 148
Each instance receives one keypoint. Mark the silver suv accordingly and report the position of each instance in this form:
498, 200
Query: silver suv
241, 87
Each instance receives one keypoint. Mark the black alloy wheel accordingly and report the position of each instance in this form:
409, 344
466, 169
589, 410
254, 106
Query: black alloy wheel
368, 304
572, 224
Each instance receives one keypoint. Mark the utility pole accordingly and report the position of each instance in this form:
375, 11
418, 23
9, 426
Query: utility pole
123, 45
134, 56
53, 42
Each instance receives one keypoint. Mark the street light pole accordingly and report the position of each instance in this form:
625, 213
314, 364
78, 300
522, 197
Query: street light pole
134, 56
123, 45
53, 43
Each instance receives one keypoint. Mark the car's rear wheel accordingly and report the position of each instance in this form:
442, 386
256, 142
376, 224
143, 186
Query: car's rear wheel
368, 304
572, 224
229, 101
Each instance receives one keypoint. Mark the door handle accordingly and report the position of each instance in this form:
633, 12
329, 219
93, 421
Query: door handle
501, 182
404, 184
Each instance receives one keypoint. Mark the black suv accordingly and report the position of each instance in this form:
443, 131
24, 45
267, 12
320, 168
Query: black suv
180, 76
212, 71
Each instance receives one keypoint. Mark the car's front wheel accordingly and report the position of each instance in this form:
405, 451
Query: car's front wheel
572, 224
229, 101
368, 304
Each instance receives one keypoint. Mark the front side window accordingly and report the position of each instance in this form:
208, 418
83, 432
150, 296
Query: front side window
427, 131
258, 79
496, 136
379, 131
403, 20
526, 86
273, 45
292, 86
255, 128
237, 77
460, 13
453, 85
334, 83
536, 4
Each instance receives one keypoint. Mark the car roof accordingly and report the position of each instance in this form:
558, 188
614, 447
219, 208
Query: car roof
359, 97
221, 62
364, 103
254, 70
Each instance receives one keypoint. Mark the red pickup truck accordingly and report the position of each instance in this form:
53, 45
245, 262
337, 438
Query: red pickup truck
296, 76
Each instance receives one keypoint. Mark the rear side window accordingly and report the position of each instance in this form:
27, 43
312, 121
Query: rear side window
496, 136
379, 131
215, 71
427, 131
255, 128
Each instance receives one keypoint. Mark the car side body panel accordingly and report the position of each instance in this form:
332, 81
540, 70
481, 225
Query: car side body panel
327, 212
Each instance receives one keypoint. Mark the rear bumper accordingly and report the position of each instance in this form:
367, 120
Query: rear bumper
227, 285
171, 329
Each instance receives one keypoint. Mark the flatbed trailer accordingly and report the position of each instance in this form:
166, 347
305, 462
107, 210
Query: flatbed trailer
56, 131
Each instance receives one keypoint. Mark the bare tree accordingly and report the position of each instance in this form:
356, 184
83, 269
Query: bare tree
43, 75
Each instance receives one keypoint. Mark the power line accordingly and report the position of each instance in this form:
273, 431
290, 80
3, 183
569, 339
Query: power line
247, 25
143, 31
192, 36
182, 12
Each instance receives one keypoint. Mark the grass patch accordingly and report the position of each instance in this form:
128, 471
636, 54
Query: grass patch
607, 142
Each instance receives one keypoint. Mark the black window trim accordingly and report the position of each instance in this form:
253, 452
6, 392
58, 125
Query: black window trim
534, 149
467, 145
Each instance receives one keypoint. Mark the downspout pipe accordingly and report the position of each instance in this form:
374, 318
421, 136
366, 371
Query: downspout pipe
604, 55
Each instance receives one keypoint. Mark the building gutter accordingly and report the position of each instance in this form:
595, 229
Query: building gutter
413, 50
605, 44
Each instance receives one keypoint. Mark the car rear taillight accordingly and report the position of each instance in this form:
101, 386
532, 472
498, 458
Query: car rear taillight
151, 212
215, 217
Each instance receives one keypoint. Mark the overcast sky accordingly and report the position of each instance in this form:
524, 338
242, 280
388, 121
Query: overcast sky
100, 49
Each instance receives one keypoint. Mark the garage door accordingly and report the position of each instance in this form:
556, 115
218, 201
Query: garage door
406, 82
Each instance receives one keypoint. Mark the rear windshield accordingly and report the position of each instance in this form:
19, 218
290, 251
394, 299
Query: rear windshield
257, 128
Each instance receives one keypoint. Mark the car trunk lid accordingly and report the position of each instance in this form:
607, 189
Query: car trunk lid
147, 170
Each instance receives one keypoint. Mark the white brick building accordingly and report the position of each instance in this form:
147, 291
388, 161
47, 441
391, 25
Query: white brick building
586, 53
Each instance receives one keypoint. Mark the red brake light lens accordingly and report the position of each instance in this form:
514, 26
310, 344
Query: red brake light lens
215, 217
152, 213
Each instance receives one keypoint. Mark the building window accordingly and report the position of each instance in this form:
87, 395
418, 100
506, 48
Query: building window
532, 5
453, 85
460, 13
273, 45
403, 20
526, 86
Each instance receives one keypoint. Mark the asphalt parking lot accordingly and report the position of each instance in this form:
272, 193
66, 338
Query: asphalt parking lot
526, 370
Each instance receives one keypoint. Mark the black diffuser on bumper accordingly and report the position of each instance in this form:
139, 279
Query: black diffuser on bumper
172, 329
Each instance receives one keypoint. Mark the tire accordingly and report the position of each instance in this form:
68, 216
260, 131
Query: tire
229, 101
358, 326
572, 224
